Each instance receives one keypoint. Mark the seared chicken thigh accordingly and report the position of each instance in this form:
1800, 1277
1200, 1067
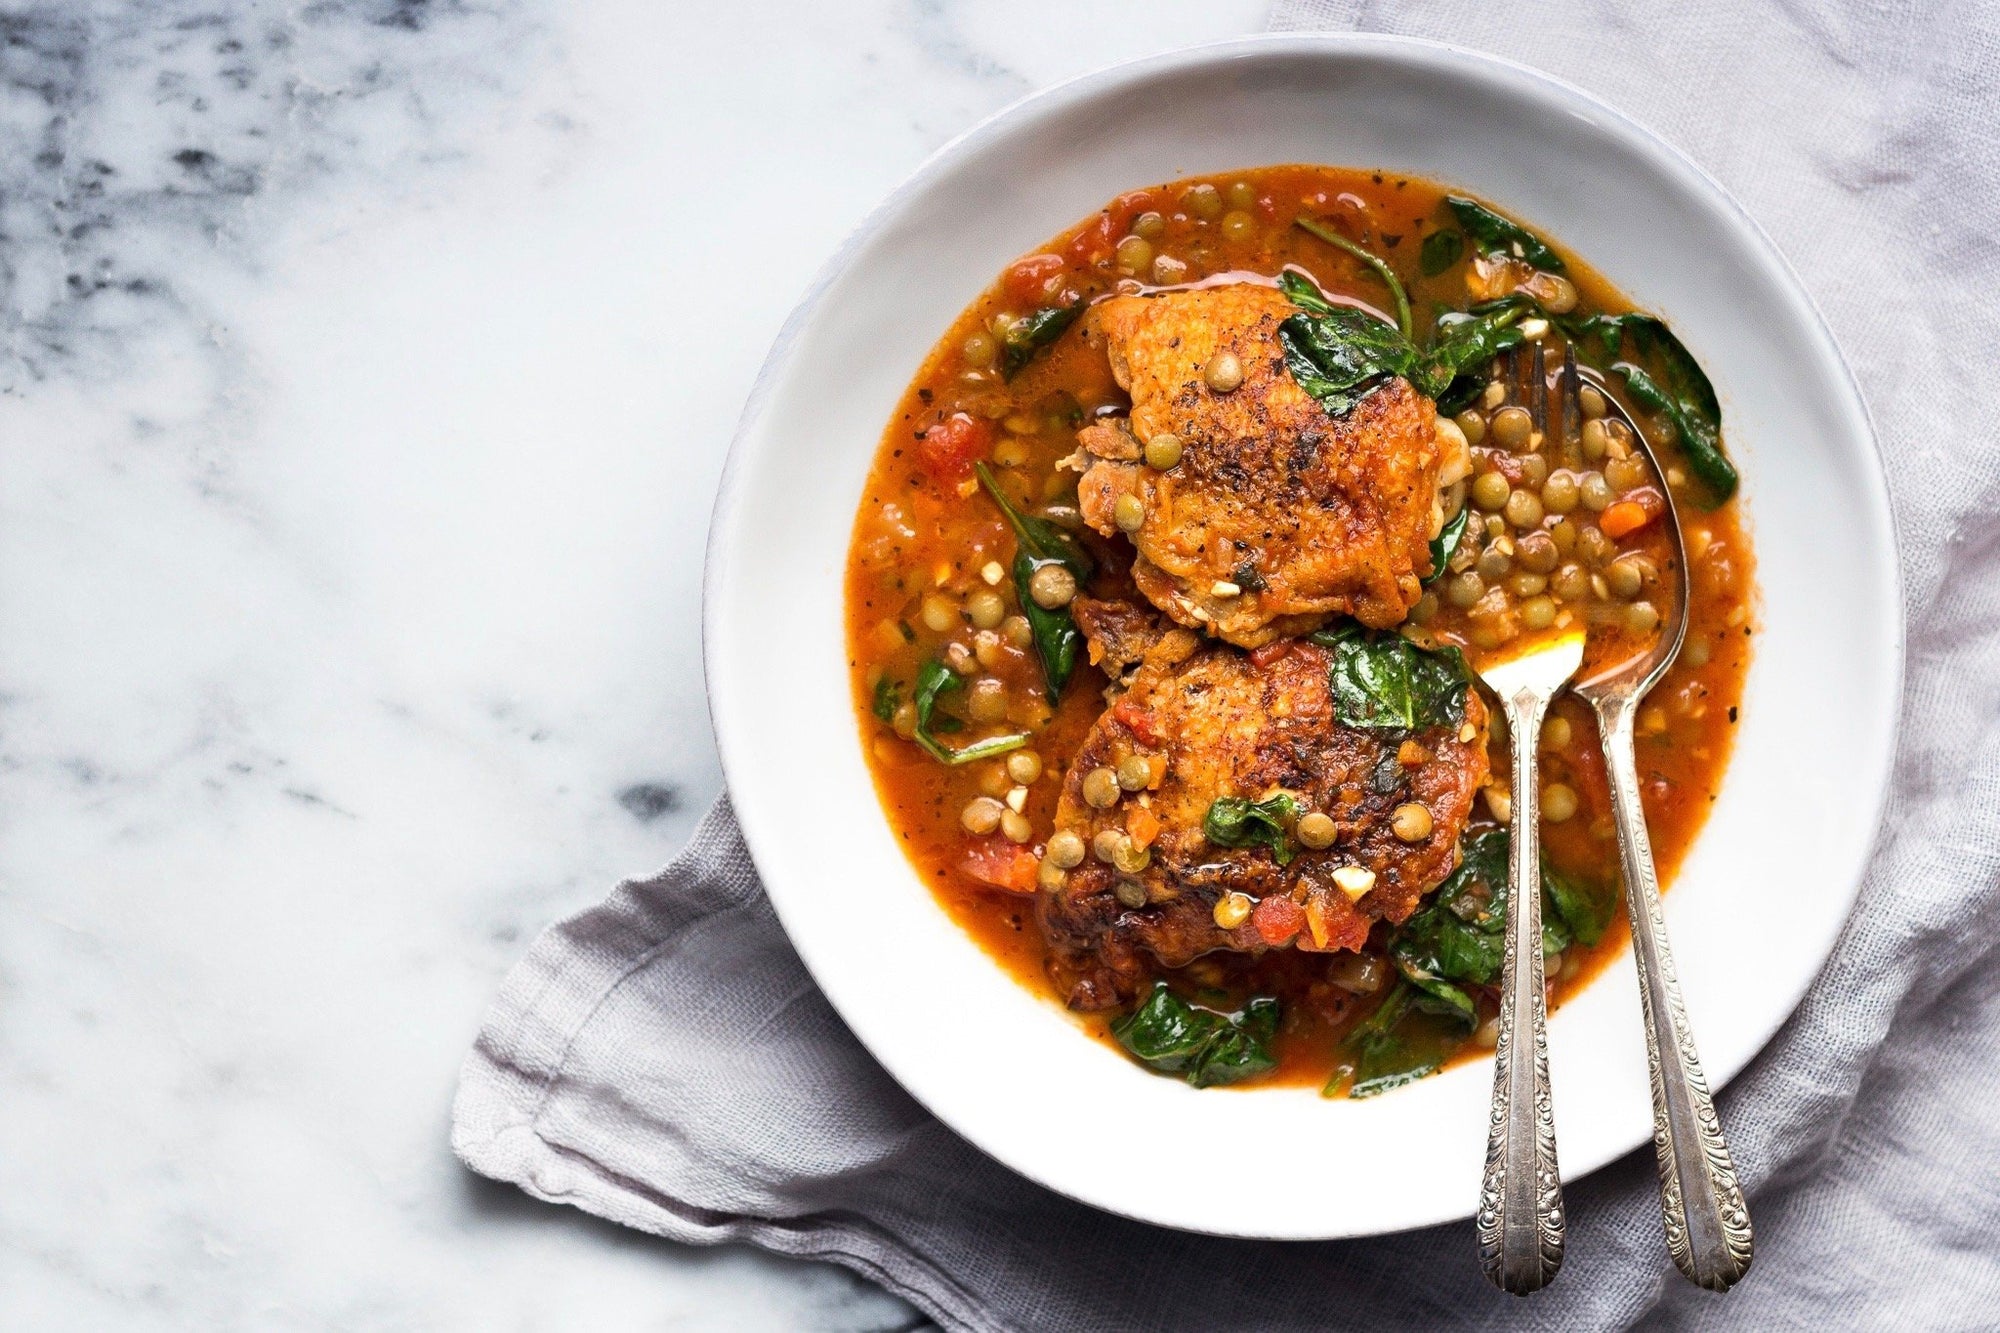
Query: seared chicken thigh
1198, 723
1277, 517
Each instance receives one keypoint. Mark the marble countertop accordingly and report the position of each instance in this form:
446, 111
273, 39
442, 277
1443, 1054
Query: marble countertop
369, 366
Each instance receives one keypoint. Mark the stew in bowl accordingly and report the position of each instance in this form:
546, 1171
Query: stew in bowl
1162, 588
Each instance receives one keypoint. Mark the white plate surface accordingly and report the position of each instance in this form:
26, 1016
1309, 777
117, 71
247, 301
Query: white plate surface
1759, 902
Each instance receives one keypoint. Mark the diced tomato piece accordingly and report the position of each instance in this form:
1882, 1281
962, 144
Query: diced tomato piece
1277, 920
1586, 763
1094, 244
1142, 721
1143, 826
952, 446
1128, 206
1027, 280
1001, 864
1269, 653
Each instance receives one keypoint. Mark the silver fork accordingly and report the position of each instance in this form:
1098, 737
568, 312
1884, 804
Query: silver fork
1520, 1220
1701, 1205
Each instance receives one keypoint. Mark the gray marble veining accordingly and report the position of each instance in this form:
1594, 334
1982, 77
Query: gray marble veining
365, 372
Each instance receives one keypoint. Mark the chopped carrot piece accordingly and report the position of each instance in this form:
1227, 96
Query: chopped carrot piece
1316, 919
1623, 519
1143, 826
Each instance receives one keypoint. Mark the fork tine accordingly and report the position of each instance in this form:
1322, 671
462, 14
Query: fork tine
1572, 407
1538, 392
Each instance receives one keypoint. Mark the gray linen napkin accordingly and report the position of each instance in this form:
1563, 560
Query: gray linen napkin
663, 1060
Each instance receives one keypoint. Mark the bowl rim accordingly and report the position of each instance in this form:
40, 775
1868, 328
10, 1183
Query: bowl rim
727, 512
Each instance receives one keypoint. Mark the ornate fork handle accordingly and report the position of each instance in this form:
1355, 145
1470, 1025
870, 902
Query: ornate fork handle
1520, 1220
1701, 1205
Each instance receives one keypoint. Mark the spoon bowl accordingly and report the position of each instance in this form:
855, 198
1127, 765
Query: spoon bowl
1638, 674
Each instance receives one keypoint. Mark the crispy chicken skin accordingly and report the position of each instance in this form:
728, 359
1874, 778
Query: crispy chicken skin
1312, 516
1216, 722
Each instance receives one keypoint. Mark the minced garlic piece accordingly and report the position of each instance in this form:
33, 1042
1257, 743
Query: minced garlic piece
1354, 881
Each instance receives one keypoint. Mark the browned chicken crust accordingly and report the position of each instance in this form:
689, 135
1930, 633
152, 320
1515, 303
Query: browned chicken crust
1309, 516
1214, 723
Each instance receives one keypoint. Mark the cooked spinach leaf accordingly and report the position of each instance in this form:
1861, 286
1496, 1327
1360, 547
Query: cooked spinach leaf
1379, 265
1380, 1060
1498, 235
1032, 333
1339, 354
1207, 1048
1054, 631
1458, 938
934, 681
1461, 393
888, 698
1602, 339
1304, 294
1383, 682
1396, 1044
1441, 250
1038, 542
1701, 438
1234, 822
1468, 340
1445, 544
1583, 910
1242, 1048
1663, 376
1462, 342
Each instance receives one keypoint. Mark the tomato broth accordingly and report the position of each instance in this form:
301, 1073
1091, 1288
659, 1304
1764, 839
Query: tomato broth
1561, 533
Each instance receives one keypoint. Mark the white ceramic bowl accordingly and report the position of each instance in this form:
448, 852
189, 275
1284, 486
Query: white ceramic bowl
1758, 904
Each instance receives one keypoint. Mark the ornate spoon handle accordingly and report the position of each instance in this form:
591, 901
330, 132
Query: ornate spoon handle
1708, 1227
1520, 1222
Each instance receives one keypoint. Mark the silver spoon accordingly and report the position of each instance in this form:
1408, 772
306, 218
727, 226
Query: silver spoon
1707, 1225
1520, 1219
